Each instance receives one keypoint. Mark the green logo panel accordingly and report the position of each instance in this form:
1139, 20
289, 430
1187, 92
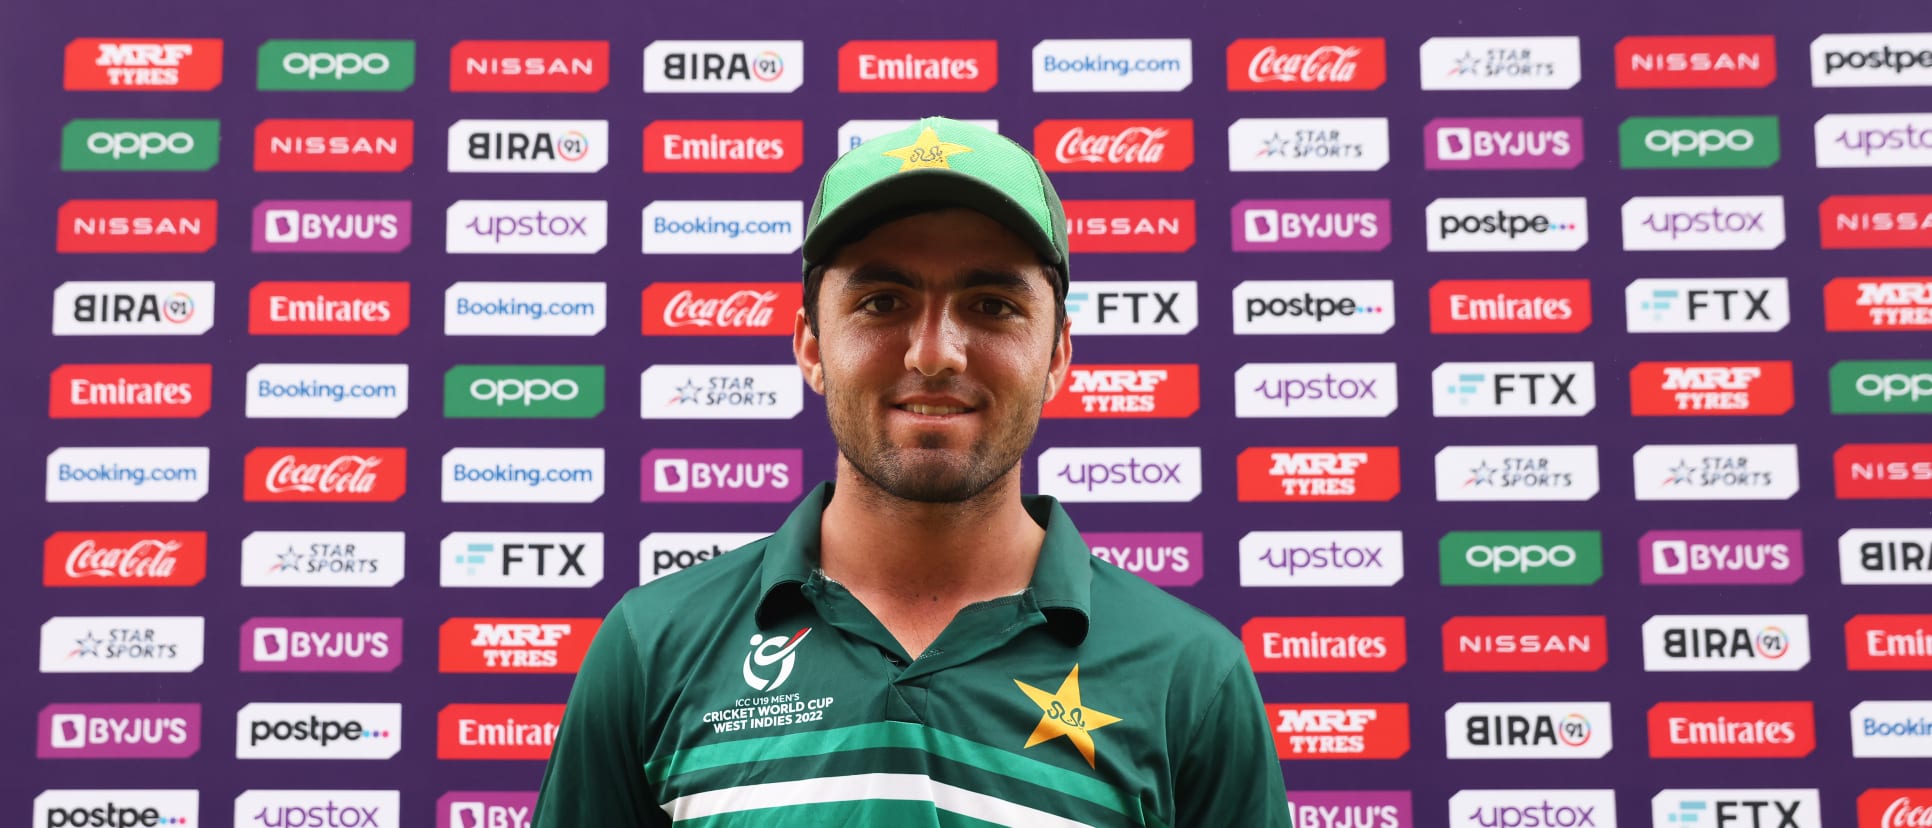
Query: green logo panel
1686, 143
140, 145
1881, 387
335, 65
524, 391
1522, 558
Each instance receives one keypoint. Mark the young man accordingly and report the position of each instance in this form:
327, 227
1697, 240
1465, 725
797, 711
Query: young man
919, 644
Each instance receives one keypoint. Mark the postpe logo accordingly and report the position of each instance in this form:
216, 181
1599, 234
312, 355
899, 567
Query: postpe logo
514, 645
1480, 63
570, 66
1318, 474
1721, 643
664, 553
1509, 306
1132, 391
1130, 226
1696, 61
118, 731
1514, 389
497, 731
721, 475
335, 65
1507, 224
1315, 389
523, 475
1516, 473
1502, 144
1707, 305
1885, 556
1144, 65
122, 644
1533, 809
147, 65
1351, 644
1901, 139
1706, 389
1716, 472
127, 475
1321, 559
1121, 475
767, 651
485, 809
1717, 556
116, 808
320, 809
1307, 64
483, 146
331, 227
1520, 558
1729, 142
1528, 730
1165, 559
577, 227
1340, 731
1330, 225
522, 559
1524, 644
318, 731
134, 308
322, 559
140, 145
1742, 807
1901, 303
321, 645
135, 225
1731, 730
1314, 307
1891, 59
334, 145
1308, 144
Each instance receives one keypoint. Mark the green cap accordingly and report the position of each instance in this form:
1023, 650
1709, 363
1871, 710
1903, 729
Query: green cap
937, 162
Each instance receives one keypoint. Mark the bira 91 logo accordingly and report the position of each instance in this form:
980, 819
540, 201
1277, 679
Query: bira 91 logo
1710, 389
1353, 644
321, 645
1525, 644
919, 65
1731, 730
497, 731
124, 559
1703, 223
131, 225
106, 64
1885, 556
1326, 226
1696, 62
1888, 642
1707, 305
334, 145
1166, 559
514, 645
1895, 808
318, 731
721, 308
1321, 559
1307, 64
493, 146
485, 809
118, 731
324, 475
773, 66
1502, 144
1875, 221
134, 308
1739, 807
1139, 226
722, 475
328, 308
116, 808
1881, 303
335, 65
1318, 474
1516, 473
1116, 391
723, 146
1722, 643
1514, 389
1883, 471
1118, 145
529, 66
1750, 471
1528, 730
1744, 557
1509, 306
1135, 474
1340, 731
1549, 558
1343, 809
129, 391
331, 227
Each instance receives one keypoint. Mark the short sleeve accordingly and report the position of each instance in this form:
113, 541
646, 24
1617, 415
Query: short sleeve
595, 776
1229, 773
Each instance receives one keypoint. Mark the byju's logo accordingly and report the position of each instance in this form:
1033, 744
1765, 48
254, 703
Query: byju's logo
331, 227
1881, 387
1147, 65
1478, 63
321, 645
722, 475
1705, 389
113, 64
1715, 556
1507, 224
523, 475
514, 645
1307, 65
1308, 144
1534, 809
1703, 223
323, 809
1167, 559
1724, 643
1888, 642
721, 392
529, 66
127, 475
1696, 62
1327, 226
524, 391
1121, 475
124, 559
497, 731
1902, 303
318, 731
525, 227
1731, 730
379, 392
1321, 559
1319, 474
1707, 305
334, 145
1742, 807
1133, 308
335, 65
1902, 139
662, 553
118, 731
1717, 472
134, 308
732, 227
121, 644
485, 809
1516, 473
1315, 389
1502, 144
1340, 731
1340, 809
1314, 307
1509, 306
1885, 556
1892, 730
724, 65
1737, 142
522, 559
1521, 558
139, 145
1524, 644
116, 808
771, 659
1892, 59
1514, 389
524, 309
322, 559
528, 146
1528, 730
1133, 391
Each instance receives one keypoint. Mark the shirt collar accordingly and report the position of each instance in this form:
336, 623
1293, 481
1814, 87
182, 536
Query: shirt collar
1062, 579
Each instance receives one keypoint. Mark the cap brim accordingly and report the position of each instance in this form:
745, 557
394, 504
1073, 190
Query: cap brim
932, 187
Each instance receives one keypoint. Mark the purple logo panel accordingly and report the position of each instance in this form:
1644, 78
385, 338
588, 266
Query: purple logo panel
1168, 559
485, 809
321, 645
118, 731
331, 227
1346, 809
1749, 557
722, 475
1502, 144
1318, 226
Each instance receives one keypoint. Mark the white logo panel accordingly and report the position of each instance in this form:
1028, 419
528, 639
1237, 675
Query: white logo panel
522, 559
528, 146
1162, 65
134, 308
726, 227
1321, 559
1757, 471
1132, 308
1482, 63
1308, 144
127, 475
1121, 475
1315, 389
1516, 473
322, 558
121, 644
1707, 305
1528, 730
524, 309
526, 226
327, 391
523, 475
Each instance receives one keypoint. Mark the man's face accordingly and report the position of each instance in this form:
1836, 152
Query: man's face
936, 349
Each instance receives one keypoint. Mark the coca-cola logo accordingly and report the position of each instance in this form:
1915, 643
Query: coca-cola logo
1125, 144
124, 559
1134, 145
1307, 64
1895, 808
1325, 64
325, 474
1904, 813
343, 474
742, 309
721, 309
146, 558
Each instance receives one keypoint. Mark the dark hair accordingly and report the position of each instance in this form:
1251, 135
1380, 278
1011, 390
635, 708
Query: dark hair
816, 276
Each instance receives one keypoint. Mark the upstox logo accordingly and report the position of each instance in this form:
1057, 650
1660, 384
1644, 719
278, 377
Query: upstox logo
1521, 558
1687, 143
524, 391
335, 65
140, 145
1881, 387
1703, 223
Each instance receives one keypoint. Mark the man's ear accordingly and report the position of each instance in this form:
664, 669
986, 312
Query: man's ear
805, 351
1062, 358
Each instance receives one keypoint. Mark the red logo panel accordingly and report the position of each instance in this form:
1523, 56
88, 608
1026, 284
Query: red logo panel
1318, 474
1307, 64
334, 145
1115, 145
1340, 731
514, 645
919, 65
1889, 642
1895, 808
1877, 221
1368, 644
721, 308
1883, 471
1525, 644
723, 146
133, 225
497, 731
1509, 306
1710, 389
154, 65
1127, 391
136, 391
1731, 730
1696, 62
1146, 226
1879, 303
324, 475
124, 559
328, 308
529, 65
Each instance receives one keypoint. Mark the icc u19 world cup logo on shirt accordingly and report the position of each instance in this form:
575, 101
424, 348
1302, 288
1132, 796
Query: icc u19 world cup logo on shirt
768, 651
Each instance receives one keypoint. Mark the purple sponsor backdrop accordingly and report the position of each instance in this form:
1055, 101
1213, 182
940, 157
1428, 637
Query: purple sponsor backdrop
1325, 226
1352, 809
118, 731
330, 226
35, 107
1502, 143
321, 645
485, 809
1764, 557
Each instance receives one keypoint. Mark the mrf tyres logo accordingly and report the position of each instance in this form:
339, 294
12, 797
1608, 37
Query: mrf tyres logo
1703, 223
1544, 558
106, 64
1507, 225
514, 645
1707, 305
1878, 303
1321, 559
1765, 557
1730, 142
1514, 389
1340, 731
1528, 730
1127, 391
1742, 808
721, 475
1718, 643
1516, 473
1318, 474
1731, 730
1705, 389
318, 731
1716, 472
1121, 475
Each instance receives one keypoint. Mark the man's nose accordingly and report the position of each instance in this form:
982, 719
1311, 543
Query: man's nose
937, 342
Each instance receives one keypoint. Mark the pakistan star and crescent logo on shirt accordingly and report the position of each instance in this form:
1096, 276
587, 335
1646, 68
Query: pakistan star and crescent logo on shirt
1062, 714
926, 153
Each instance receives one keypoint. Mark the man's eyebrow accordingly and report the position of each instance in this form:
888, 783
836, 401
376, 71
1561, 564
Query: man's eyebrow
873, 275
1009, 280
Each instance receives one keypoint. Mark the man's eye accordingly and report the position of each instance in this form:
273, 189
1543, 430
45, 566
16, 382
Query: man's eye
996, 307
879, 304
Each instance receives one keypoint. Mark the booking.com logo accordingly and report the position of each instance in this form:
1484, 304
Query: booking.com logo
707, 226
1088, 64
528, 476
336, 392
518, 307
117, 473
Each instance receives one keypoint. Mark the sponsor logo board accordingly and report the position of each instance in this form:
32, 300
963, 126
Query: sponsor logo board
1892, 730
1143, 65
1321, 559
327, 391
1703, 223
721, 475
1885, 556
140, 145
919, 65
1508, 225
522, 559
1308, 144
1315, 307
134, 225
1528, 730
1511, 306
1892, 59
280, 474
127, 475
358, 808
723, 308
118, 731
485, 809
1327, 225
111, 64
724, 227
1533, 808
1707, 305
524, 309
523, 475
578, 227
334, 145
1340, 731
122, 644
1755, 471
1514, 389
523, 391
529, 66
124, 559
1131, 308
1696, 61
1126, 391
1760, 557
1888, 642
1307, 64
134, 308
1166, 559
1516, 473
335, 65
723, 146
1899, 303
1339, 809
721, 392
497, 731
1121, 475
1731, 730
1524, 644
1742, 807
323, 558
265, 730
1315, 389
330, 227
663, 553
484, 146
1888, 222
514, 645
1115, 145
328, 308
1883, 471
1723, 643
1483, 63
1733, 142
1520, 558
774, 66
1881, 387
1894, 139
129, 391
119, 808
1706, 389
1129, 226
1348, 644
321, 645
1305, 474
1502, 144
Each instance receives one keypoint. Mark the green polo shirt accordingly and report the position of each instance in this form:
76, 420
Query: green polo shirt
749, 690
